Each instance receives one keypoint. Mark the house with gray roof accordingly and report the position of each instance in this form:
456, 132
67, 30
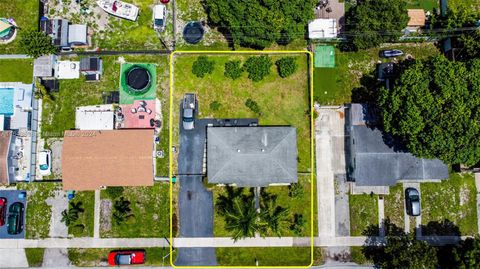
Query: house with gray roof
377, 159
252, 156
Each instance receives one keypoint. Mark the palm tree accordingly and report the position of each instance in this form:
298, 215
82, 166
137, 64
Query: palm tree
69, 216
242, 219
121, 210
271, 214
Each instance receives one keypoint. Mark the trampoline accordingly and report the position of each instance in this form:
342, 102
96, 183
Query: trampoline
138, 80
193, 32
6, 29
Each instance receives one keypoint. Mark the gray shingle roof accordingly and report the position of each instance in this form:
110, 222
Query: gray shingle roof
379, 160
251, 156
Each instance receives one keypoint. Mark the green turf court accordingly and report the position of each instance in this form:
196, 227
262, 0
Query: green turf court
324, 56
138, 81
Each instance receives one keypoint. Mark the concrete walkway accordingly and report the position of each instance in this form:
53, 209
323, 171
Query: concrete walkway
14, 56
477, 185
56, 257
58, 204
96, 215
207, 242
381, 216
10, 258
325, 175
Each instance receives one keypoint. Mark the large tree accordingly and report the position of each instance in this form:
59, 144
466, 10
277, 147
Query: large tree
402, 251
467, 254
434, 106
372, 22
259, 23
36, 44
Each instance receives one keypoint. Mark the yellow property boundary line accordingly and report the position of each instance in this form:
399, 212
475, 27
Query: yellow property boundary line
312, 154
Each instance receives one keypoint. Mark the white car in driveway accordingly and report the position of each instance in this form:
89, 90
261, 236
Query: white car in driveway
45, 162
159, 17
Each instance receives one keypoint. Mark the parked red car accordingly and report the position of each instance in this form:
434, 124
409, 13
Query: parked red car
126, 257
3, 210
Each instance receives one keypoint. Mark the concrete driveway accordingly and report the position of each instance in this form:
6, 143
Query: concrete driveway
13, 258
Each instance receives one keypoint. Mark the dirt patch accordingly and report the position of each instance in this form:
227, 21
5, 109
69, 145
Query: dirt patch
105, 215
56, 146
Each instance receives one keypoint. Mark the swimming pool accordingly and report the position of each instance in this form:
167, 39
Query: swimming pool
6, 101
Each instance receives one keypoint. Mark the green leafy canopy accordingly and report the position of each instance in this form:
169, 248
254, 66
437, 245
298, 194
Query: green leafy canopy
435, 108
259, 23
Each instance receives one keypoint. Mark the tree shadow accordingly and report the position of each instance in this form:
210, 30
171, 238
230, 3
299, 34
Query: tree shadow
374, 247
442, 228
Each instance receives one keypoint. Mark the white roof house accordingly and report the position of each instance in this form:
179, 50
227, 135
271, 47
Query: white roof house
77, 35
67, 70
322, 28
100, 117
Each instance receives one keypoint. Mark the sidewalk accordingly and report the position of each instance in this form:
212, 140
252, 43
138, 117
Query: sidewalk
203, 242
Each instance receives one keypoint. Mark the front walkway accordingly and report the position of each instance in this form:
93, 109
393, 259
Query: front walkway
96, 215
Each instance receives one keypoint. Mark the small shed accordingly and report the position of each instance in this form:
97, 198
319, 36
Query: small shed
44, 66
385, 71
91, 65
324, 56
77, 35
67, 70
416, 17
322, 29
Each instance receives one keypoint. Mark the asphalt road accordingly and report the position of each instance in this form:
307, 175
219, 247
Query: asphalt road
196, 203
12, 197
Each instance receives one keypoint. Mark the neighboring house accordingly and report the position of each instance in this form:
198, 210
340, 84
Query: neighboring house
15, 106
67, 70
95, 159
322, 29
44, 66
14, 158
57, 29
377, 160
417, 19
252, 156
64, 35
99, 117
91, 67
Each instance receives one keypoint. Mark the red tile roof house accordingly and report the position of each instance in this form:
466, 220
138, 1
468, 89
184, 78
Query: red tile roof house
95, 159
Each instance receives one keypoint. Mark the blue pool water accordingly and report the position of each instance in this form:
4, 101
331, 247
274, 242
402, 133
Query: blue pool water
6, 101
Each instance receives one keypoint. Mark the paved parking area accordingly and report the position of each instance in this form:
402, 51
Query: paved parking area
12, 197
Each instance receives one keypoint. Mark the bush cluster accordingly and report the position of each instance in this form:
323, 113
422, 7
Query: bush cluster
286, 66
202, 66
258, 67
253, 106
233, 69
215, 105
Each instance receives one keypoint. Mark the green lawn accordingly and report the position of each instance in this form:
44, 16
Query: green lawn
428, 5
363, 212
357, 256
16, 70
25, 14
454, 200
150, 208
59, 115
299, 204
37, 223
282, 101
334, 86
83, 227
272, 256
395, 205
124, 34
89, 257
34, 256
